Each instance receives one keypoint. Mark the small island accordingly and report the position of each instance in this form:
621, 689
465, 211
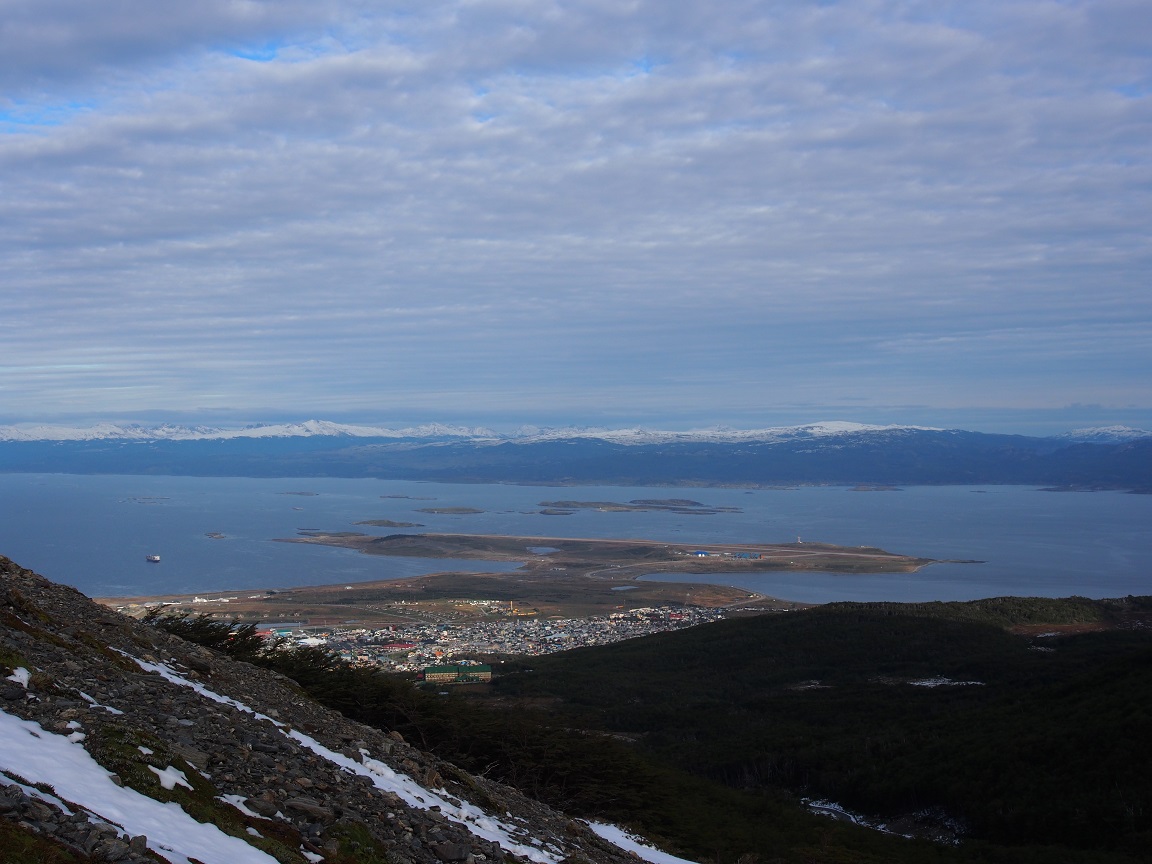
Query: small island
640, 505
388, 523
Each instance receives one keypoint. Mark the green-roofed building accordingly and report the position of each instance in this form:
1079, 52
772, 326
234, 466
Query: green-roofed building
453, 674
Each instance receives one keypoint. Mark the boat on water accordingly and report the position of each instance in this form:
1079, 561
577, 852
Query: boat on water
152, 559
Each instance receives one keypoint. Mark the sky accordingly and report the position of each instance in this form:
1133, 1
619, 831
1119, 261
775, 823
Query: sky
668, 214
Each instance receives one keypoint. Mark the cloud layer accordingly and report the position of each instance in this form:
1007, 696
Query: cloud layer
522, 208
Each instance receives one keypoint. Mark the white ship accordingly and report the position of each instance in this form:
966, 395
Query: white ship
152, 559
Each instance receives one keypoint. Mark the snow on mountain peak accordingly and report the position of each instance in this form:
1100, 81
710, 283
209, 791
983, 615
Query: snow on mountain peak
719, 434
1104, 435
525, 434
168, 432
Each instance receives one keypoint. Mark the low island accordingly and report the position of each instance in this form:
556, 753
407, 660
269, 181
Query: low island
582, 576
596, 556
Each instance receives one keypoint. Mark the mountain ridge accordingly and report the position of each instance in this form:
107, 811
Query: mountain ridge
833, 453
525, 434
170, 432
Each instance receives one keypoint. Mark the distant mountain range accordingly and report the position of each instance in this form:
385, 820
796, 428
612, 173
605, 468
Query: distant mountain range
168, 432
526, 434
829, 453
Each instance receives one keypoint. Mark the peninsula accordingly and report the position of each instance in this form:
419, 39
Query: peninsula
559, 576
601, 558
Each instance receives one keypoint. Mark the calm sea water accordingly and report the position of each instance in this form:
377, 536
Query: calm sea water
93, 532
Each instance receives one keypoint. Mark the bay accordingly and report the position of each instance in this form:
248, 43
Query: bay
218, 533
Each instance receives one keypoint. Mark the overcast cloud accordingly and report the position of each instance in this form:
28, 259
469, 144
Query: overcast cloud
545, 211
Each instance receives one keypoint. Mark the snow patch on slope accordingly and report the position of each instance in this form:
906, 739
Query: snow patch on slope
635, 845
21, 676
39, 756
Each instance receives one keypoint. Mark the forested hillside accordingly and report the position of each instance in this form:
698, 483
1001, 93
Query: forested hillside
935, 719
896, 709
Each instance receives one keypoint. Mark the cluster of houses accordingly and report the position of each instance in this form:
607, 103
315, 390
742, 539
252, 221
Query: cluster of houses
420, 646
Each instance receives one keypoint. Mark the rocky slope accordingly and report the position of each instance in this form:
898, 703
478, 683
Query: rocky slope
280, 777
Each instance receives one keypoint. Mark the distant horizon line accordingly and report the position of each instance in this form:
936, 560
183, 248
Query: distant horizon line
175, 431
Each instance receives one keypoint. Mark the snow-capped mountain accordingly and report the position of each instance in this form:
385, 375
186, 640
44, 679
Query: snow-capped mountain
524, 435
167, 432
638, 436
1104, 435
832, 452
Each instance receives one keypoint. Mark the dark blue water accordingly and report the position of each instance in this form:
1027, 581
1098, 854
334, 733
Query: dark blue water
94, 533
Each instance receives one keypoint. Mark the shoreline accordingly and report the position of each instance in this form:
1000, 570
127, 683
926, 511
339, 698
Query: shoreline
576, 577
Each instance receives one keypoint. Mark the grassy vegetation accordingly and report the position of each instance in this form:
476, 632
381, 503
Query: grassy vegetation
10, 661
357, 845
21, 846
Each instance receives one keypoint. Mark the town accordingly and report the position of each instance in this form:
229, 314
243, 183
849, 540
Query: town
414, 646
